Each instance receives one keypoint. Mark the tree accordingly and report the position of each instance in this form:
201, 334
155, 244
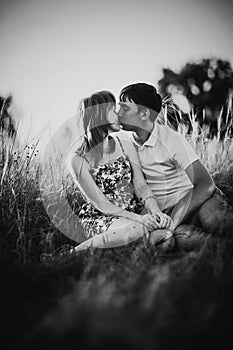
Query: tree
6, 122
208, 87
7, 130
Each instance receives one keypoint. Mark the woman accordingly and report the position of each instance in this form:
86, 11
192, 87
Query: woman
108, 173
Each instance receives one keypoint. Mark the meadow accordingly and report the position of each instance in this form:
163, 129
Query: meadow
130, 297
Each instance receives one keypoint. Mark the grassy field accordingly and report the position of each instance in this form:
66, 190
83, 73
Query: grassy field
129, 297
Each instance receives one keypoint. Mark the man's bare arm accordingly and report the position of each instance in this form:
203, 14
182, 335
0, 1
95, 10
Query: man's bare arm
203, 189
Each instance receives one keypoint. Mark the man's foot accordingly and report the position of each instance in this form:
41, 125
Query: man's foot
162, 239
188, 238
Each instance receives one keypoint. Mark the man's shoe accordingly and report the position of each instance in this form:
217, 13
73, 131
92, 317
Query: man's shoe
162, 239
188, 238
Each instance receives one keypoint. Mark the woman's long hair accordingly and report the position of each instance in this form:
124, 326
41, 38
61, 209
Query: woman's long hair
95, 126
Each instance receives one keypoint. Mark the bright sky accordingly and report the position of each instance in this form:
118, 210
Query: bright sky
53, 52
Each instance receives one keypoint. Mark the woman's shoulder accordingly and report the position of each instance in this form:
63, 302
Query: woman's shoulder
80, 152
76, 158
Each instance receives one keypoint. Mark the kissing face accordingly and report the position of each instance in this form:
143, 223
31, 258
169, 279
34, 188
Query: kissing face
113, 120
128, 115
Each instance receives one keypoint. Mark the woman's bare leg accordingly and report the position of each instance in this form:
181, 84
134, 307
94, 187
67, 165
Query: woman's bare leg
121, 232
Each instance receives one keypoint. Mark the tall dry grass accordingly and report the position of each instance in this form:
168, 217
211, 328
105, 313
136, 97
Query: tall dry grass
38, 202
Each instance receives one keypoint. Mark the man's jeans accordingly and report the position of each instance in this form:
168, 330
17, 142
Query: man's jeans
215, 215
213, 218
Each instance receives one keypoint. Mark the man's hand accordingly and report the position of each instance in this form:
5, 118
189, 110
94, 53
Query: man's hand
163, 220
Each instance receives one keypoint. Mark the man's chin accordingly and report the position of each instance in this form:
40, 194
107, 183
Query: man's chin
125, 127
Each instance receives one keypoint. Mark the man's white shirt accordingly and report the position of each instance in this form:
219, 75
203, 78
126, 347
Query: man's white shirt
164, 157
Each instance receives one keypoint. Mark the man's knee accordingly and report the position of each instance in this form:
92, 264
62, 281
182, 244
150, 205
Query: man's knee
216, 215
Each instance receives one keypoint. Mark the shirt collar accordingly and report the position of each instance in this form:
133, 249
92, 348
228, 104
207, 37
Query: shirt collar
151, 141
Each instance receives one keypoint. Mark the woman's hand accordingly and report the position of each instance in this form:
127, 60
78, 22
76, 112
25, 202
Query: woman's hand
162, 220
150, 222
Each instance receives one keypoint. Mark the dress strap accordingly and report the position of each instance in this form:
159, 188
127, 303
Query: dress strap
122, 148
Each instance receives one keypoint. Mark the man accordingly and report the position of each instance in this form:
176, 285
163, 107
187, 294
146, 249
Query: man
181, 184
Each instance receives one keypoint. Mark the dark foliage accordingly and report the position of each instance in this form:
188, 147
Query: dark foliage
6, 122
207, 86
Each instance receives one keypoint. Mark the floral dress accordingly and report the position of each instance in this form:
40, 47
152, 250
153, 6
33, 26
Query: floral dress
115, 181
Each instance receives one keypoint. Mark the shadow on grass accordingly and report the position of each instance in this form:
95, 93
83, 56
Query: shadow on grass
129, 297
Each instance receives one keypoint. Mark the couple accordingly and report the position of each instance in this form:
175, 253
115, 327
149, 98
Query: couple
140, 184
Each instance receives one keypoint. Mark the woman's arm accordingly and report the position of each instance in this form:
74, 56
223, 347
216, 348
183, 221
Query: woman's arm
79, 169
141, 187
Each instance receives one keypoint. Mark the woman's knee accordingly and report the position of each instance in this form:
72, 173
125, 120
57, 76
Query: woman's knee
128, 230
134, 231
